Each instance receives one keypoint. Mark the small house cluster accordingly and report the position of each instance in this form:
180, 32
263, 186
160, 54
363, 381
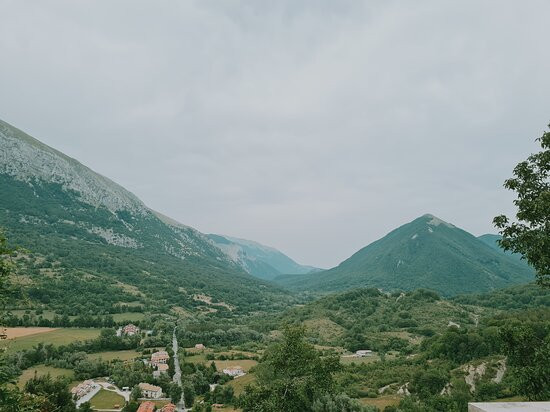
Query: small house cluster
83, 389
128, 330
159, 361
149, 406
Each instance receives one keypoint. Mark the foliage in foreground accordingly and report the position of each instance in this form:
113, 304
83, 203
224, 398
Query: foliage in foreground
530, 235
295, 375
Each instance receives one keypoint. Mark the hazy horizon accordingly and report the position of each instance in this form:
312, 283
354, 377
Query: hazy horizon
314, 130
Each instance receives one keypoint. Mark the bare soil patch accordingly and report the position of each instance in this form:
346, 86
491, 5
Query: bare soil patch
20, 332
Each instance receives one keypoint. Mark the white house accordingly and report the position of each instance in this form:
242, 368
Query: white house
363, 353
150, 391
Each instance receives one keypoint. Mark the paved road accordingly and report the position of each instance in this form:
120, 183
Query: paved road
95, 389
177, 372
97, 386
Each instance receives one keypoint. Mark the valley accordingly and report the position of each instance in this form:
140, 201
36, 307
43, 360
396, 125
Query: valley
115, 306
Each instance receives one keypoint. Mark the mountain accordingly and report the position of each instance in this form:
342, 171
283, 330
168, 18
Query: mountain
425, 253
85, 230
261, 261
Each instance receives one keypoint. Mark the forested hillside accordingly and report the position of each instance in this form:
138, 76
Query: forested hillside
85, 231
425, 253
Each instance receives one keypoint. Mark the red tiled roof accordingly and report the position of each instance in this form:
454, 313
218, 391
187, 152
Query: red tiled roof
147, 407
169, 407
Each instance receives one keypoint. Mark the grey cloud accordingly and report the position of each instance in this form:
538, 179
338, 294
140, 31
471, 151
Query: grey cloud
311, 126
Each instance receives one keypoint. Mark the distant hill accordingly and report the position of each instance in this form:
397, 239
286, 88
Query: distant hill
259, 260
528, 296
365, 318
86, 231
425, 253
492, 240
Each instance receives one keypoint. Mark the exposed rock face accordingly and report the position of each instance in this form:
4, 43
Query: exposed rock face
27, 159
501, 370
404, 390
131, 224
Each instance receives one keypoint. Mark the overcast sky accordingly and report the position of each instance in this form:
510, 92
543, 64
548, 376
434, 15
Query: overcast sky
312, 126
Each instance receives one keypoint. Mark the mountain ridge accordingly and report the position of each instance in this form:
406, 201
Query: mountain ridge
54, 206
264, 262
427, 252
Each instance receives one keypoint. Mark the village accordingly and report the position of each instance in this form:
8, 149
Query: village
150, 397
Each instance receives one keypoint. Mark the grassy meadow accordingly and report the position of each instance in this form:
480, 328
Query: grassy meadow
41, 370
123, 355
107, 400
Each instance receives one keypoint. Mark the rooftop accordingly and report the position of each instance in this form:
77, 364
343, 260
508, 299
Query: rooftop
149, 387
509, 407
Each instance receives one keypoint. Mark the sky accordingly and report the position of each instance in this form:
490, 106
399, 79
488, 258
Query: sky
315, 127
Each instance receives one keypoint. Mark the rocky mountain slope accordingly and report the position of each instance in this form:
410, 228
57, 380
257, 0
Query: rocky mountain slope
54, 206
259, 260
425, 253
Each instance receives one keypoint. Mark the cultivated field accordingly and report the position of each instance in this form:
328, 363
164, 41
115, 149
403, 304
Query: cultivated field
56, 337
14, 333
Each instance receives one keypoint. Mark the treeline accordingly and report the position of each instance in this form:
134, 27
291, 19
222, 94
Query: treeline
517, 297
84, 321
217, 335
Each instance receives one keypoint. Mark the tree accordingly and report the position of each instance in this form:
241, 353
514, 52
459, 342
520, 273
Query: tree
136, 393
54, 391
340, 403
188, 394
175, 393
530, 235
11, 399
292, 375
428, 383
85, 407
529, 360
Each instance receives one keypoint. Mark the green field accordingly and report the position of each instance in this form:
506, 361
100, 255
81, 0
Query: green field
107, 400
41, 370
111, 355
198, 358
240, 383
48, 314
55, 337
128, 316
